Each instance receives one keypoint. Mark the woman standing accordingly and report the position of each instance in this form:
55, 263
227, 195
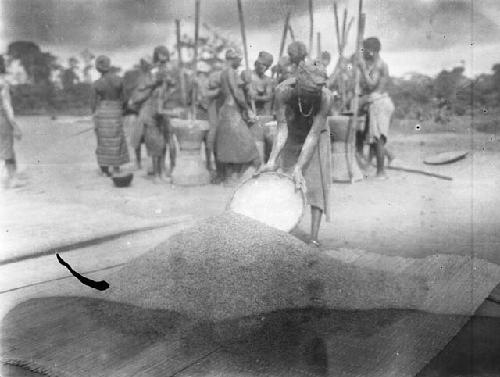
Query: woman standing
8, 127
234, 142
107, 106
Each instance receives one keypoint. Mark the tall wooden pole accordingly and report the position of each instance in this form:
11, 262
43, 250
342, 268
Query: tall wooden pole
311, 27
318, 45
292, 34
355, 101
194, 99
244, 40
337, 28
180, 64
286, 28
344, 25
243, 34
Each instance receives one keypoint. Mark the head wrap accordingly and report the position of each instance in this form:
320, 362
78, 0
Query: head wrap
232, 54
265, 58
297, 51
102, 63
311, 76
372, 44
160, 50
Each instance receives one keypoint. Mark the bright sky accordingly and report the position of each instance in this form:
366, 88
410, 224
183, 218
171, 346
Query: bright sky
419, 35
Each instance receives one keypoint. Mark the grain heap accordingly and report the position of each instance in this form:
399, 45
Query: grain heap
230, 266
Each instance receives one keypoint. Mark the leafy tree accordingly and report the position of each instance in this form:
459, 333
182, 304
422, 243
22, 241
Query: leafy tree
37, 64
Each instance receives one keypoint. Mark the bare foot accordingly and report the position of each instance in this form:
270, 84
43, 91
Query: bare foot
165, 179
381, 176
395, 162
315, 243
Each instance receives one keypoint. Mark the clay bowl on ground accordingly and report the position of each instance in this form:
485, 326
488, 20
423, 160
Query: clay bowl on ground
122, 179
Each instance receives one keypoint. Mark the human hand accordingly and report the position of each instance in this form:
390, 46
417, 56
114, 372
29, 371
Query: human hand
298, 178
251, 116
270, 166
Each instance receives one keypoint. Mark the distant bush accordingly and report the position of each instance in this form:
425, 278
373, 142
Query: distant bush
42, 99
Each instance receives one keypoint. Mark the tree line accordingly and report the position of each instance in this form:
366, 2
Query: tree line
416, 96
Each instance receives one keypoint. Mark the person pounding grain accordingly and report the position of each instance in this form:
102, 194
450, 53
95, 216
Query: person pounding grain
215, 102
261, 89
106, 104
374, 80
151, 95
302, 143
234, 142
138, 131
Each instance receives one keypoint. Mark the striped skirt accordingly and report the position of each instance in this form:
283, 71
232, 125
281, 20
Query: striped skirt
111, 142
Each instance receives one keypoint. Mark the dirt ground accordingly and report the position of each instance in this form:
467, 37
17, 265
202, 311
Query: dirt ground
65, 201
408, 215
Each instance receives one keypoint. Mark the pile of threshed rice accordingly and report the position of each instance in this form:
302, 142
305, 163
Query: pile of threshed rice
230, 266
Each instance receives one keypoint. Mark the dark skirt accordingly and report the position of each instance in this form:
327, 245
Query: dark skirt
111, 142
316, 172
234, 141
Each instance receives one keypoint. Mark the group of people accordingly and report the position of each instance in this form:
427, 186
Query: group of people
299, 96
145, 107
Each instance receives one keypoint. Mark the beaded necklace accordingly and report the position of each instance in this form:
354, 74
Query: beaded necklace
300, 108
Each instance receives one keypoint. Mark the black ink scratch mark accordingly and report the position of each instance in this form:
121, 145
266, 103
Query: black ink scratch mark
99, 285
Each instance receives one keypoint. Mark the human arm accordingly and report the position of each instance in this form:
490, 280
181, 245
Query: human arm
214, 85
142, 91
312, 138
93, 99
122, 92
281, 132
9, 111
376, 80
235, 91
